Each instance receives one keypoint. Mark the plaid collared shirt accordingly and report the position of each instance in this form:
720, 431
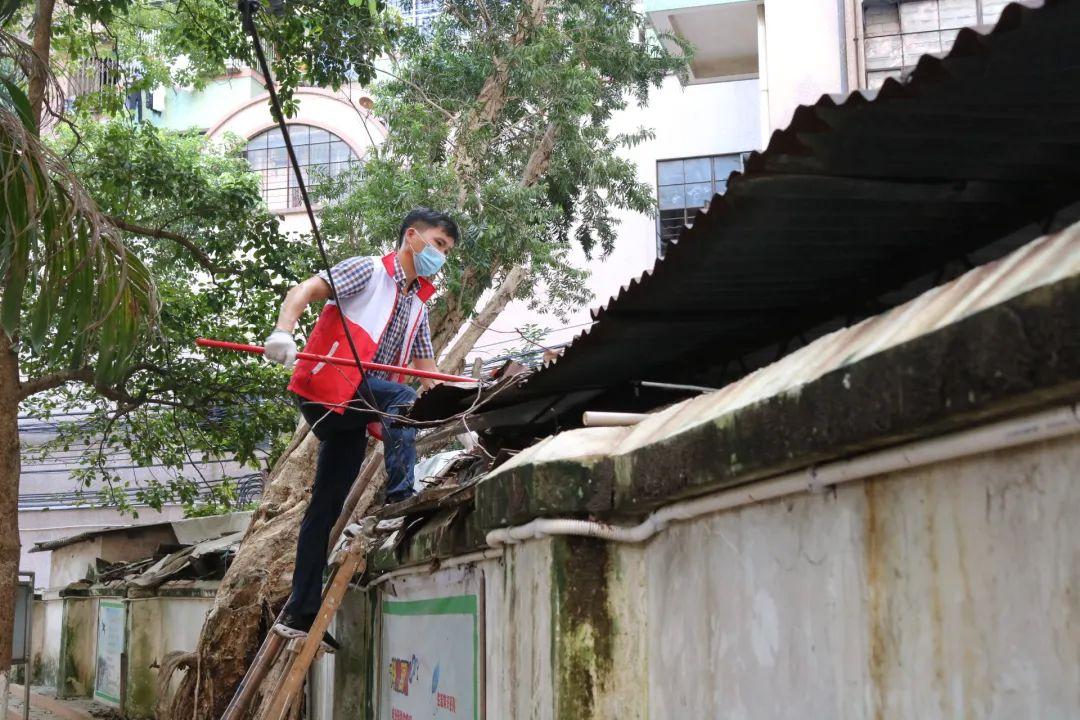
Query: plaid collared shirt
351, 276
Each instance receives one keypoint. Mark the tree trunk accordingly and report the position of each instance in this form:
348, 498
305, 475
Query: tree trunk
43, 17
9, 507
256, 585
454, 359
253, 589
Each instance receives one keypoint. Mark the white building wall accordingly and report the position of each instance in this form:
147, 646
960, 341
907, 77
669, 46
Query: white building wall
804, 57
710, 119
338, 112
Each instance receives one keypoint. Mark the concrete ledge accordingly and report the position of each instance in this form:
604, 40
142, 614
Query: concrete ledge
1011, 358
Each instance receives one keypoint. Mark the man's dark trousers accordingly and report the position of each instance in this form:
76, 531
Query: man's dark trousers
342, 442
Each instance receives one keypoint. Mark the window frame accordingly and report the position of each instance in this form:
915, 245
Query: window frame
870, 76
271, 190
661, 241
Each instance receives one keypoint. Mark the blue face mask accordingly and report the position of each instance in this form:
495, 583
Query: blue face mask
429, 260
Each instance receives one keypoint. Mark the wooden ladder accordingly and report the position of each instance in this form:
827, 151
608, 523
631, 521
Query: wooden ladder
346, 561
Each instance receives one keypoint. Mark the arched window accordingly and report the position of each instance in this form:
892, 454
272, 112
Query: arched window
319, 153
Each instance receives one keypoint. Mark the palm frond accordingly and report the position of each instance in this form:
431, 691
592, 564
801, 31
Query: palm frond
68, 283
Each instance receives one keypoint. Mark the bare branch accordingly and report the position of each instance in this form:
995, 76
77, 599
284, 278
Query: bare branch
540, 158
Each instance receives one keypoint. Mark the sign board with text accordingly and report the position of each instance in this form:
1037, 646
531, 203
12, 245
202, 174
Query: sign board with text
429, 656
110, 651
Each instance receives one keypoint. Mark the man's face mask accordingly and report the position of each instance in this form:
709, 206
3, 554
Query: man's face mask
429, 260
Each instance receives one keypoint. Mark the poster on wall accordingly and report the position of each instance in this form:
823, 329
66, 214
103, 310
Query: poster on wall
110, 651
429, 655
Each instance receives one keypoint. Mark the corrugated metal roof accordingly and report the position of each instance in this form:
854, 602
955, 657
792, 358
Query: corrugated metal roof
851, 210
1041, 262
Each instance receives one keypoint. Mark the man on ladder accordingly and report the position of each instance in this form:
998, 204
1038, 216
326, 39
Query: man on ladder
383, 302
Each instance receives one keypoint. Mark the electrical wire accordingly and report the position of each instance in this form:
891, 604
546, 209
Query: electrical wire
247, 10
370, 405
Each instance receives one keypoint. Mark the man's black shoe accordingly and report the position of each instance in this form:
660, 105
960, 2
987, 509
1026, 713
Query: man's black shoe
303, 623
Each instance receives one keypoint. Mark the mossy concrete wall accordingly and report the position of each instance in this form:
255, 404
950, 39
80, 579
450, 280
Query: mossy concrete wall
353, 672
944, 591
157, 626
947, 591
49, 643
78, 641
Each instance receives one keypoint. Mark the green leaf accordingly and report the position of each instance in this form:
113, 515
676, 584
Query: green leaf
19, 101
8, 8
40, 319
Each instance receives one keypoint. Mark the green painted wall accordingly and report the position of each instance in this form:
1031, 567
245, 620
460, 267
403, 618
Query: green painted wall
186, 108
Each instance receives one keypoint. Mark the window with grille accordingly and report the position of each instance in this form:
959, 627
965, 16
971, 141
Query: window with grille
897, 32
687, 185
319, 153
419, 13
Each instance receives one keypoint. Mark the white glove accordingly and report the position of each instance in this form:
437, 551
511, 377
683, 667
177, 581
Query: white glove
281, 348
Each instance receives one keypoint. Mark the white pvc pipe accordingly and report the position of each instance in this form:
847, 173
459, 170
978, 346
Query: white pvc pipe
487, 554
597, 418
1047, 425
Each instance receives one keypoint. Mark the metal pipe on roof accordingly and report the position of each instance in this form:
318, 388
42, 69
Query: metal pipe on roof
675, 386
468, 559
1047, 425
596, 418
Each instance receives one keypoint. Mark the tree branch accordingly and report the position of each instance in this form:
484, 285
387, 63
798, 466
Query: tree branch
53, 380
540, 158
187, 243
423, 95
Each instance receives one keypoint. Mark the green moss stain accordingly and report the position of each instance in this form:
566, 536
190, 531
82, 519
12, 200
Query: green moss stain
76, 676
144, 626
582, 632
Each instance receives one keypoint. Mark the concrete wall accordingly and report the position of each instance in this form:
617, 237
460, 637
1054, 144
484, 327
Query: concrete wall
47, 643
38, 632
187, 108
78, 560
805, 42
37, 526
78, 643
156, 627
712, 119
943, 592
947, 591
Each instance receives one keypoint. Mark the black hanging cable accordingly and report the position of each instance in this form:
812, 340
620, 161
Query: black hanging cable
247, 10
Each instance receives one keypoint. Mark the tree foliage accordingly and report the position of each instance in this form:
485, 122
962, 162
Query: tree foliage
148, 43
192, 221
501, 114
194, 213
72, 291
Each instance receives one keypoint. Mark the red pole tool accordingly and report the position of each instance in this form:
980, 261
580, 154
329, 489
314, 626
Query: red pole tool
258, 350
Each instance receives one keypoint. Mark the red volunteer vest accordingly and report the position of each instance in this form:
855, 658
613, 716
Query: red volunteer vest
367, 315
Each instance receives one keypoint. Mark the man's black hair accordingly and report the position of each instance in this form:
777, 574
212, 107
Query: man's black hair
429, 218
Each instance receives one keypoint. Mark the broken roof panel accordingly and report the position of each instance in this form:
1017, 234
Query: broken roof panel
852, 209
186, 532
